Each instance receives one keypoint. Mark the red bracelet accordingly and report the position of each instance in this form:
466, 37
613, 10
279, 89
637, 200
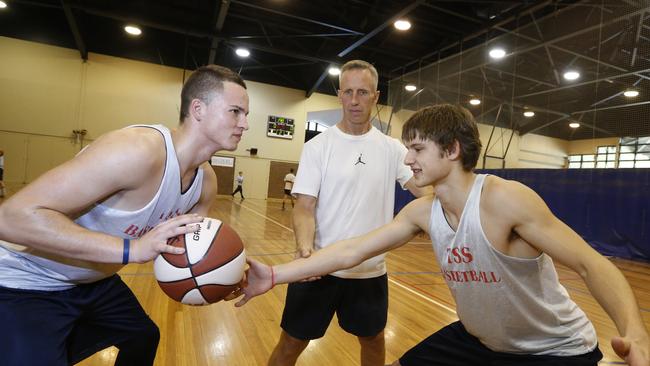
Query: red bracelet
272, 277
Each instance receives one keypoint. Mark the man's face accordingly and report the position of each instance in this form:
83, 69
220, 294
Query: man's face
357, 95
226, 116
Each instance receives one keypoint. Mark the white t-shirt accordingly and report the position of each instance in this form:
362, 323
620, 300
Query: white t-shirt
353, 178
288, 180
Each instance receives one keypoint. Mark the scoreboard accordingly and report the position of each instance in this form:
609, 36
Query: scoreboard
281, 127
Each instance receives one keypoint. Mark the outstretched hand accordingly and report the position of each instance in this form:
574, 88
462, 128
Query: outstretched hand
154, 242
635, 353
259, 279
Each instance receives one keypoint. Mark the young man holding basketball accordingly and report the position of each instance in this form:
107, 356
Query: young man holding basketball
494, 240
343, 171
118, 201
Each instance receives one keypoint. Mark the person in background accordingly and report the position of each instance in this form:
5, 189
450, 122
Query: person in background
239, 179
288, 185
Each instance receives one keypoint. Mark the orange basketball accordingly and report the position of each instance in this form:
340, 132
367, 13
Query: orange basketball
211, 267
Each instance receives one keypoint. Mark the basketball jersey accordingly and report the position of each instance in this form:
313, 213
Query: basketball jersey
36, 270
353, 177
510, 304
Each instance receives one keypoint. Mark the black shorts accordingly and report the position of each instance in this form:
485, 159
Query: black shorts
361, 306
2, 173
287, 192
454, 346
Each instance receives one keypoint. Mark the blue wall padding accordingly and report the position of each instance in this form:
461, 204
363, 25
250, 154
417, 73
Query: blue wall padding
609, 208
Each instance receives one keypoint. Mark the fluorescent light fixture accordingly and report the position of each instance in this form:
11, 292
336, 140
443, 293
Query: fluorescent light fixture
631, 93
133, 30
3, 4
571, 75
402, 24
242, 52
529, 114
410, 87
333, 70
574, 124
497, 53
474, 101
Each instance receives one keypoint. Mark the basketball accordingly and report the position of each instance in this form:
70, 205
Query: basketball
211, 267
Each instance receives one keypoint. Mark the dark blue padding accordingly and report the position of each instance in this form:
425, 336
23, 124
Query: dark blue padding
609, 208
402, 198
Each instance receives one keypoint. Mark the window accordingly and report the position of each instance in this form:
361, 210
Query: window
315, 126
606, 157
634, 152
582, 161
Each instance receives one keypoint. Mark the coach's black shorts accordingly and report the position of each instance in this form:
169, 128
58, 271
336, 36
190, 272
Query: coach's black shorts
361, 306
454, 346
287, 192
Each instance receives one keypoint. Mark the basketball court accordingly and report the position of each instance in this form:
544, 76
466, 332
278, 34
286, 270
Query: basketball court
419, 302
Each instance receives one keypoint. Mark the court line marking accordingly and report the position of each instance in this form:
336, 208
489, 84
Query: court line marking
389, 279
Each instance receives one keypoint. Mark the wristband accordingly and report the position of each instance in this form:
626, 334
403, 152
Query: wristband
272, 278
125, 254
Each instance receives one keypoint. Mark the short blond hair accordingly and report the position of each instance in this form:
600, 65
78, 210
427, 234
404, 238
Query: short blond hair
360, 65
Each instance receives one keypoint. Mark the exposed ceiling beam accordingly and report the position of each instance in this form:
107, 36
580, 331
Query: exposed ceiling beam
381, 27
322, 77
476, 34
238, 2
221, 18
75, 30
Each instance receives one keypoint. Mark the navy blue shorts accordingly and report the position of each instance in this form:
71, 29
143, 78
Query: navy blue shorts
361, 306
57, 328
454, 346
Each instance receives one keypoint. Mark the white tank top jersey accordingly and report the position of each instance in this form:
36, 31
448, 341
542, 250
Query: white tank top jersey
28, 268
354, 179
510, 304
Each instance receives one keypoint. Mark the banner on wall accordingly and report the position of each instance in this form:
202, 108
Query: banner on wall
222, 161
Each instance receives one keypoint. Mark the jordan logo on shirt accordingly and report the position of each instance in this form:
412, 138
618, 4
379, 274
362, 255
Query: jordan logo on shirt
359, 161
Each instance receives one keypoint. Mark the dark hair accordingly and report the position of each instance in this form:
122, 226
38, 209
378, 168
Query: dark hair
205, 83
444, 124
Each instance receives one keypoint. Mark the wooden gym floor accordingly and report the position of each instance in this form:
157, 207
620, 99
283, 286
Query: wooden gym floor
420, 302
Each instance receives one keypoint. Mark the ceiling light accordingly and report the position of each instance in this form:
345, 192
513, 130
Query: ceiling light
574, 124
411, 87
3, 5
132, 30
333, 70
242, 52
497, 53
402, 24
571, 75
631, 93
474, 101
529, 114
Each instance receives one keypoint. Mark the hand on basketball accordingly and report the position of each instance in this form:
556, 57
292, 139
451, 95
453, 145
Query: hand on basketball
154, 242
258, 280
634, 353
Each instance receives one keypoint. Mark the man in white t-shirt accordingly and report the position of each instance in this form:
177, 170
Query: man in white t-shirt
345, 187
288, 185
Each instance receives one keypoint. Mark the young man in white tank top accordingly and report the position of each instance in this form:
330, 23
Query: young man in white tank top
494, 240
118, 201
